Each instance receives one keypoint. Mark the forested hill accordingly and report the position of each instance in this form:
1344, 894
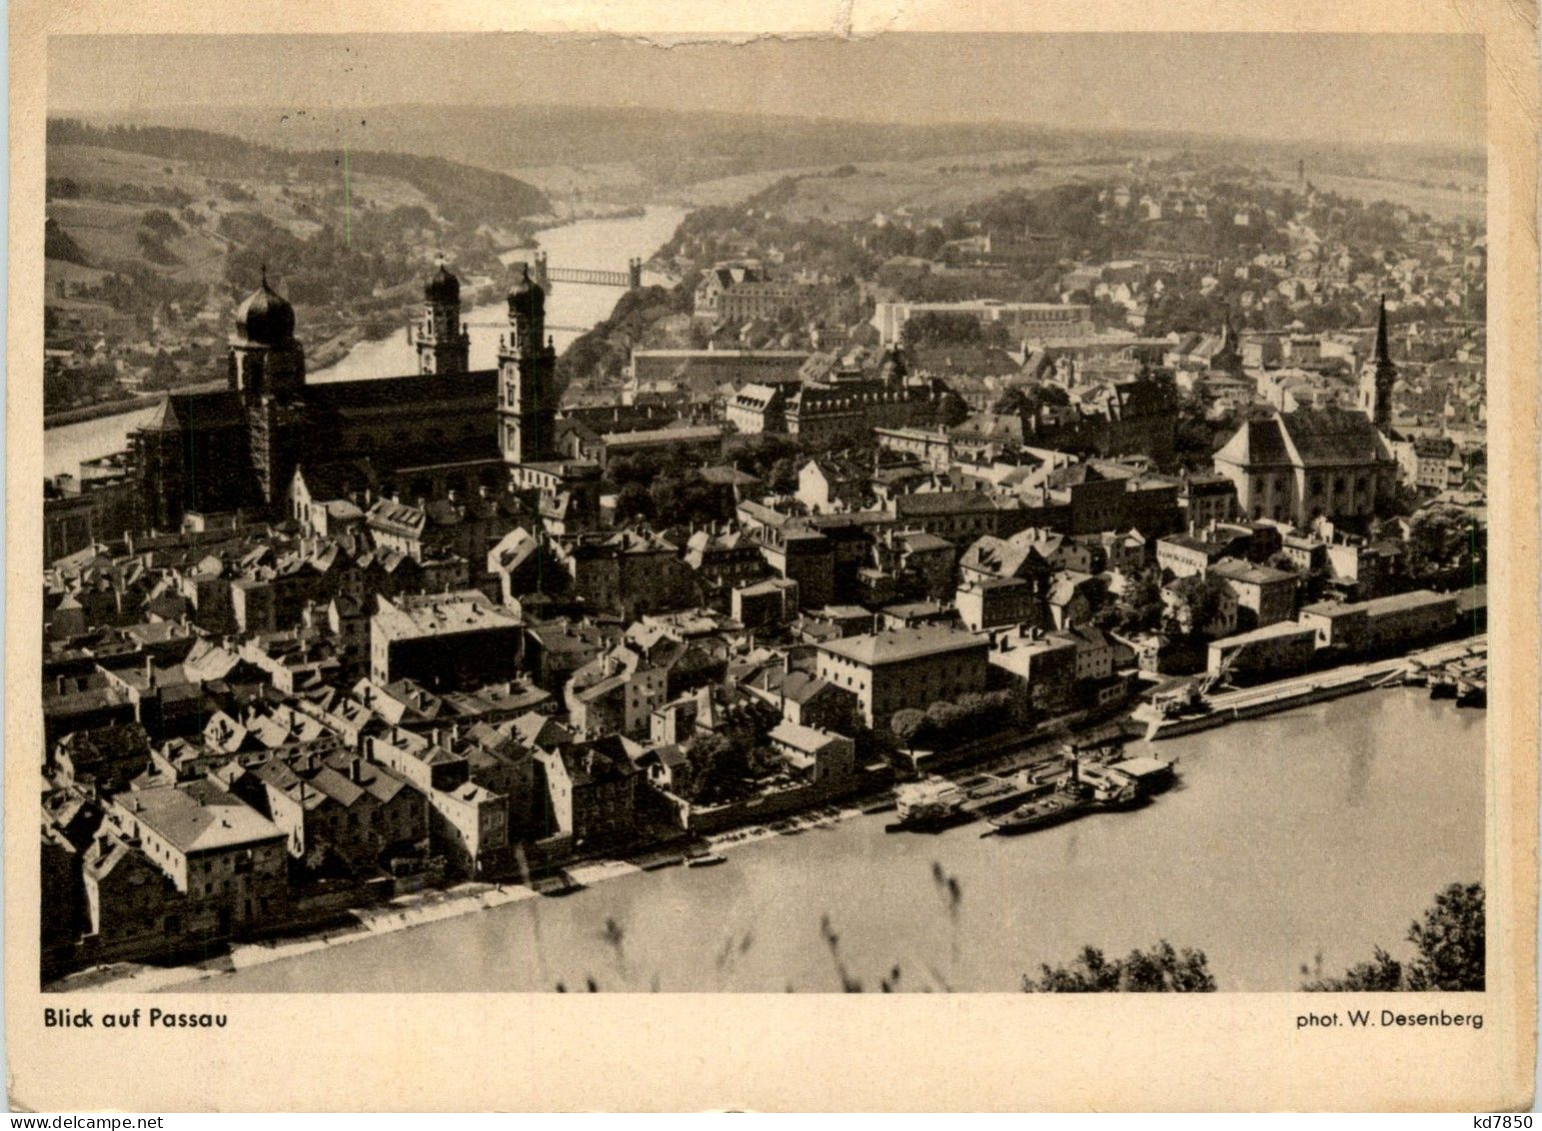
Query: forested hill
462, 193
154, 234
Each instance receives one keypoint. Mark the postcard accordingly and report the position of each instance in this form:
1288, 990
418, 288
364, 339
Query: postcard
818, 556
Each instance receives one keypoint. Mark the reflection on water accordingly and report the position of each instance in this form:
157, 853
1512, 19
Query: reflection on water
1327, 830
1359, 775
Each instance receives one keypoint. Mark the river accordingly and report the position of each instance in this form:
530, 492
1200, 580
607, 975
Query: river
1325, 830
604, 244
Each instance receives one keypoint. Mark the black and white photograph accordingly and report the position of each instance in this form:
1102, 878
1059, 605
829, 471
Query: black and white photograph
717, 519
799, 517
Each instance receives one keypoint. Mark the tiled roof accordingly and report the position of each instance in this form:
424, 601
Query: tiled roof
1332, 436
1257, 443
199, 816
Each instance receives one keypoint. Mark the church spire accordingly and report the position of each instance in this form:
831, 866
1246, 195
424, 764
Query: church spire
1383, 355
1378, 377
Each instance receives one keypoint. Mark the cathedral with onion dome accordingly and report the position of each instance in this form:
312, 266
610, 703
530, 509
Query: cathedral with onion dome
428, 435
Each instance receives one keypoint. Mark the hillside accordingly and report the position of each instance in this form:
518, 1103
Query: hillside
622, 154
153, 233
578, 154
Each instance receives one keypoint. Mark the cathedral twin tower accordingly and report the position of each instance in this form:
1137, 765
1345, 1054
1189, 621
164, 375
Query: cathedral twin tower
527, 362
240, 447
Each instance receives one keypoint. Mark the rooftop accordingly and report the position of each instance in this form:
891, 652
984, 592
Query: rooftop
438, 614
903, 644
1397, 602
199, 817
1268, 632
1236, 570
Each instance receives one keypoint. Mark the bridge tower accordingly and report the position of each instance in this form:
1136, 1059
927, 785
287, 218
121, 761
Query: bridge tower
527, 378
444, 345
634, 273
542, 274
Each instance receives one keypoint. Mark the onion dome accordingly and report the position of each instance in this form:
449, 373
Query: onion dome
526, 297
442, 287
266, 316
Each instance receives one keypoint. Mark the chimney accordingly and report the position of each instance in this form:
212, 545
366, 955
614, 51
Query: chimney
354, 770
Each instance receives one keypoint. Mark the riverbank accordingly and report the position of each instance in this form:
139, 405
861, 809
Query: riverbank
1272, 698
1216, 863
418, 910
98, 411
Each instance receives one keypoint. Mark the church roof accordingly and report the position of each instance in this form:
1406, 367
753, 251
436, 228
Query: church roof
526, 296
1256, 442
164, 419
1332, 436
1383, 356
199, 412
1307, 437
383, 391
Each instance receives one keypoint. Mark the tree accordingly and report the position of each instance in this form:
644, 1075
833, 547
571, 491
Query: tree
1450, 942
783, 479
633, 501
940, 328
1205, 595
906, 724
1380, 975
718, 767
1448, 951
1440, 538
951, 410
1158, 970
1140, 609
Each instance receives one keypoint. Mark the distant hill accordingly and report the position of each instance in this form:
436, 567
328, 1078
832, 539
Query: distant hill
663, 148
636, 154
462, 193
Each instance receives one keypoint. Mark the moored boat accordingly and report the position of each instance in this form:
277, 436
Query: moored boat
1110, 788
1040, 813
706, 860
1151, 775
930, 804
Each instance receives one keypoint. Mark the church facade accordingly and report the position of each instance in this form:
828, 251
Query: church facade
445, 428
1328, 463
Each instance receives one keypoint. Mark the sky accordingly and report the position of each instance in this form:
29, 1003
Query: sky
1421, 89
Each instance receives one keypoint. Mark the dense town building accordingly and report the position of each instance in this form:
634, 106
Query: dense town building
310, 644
